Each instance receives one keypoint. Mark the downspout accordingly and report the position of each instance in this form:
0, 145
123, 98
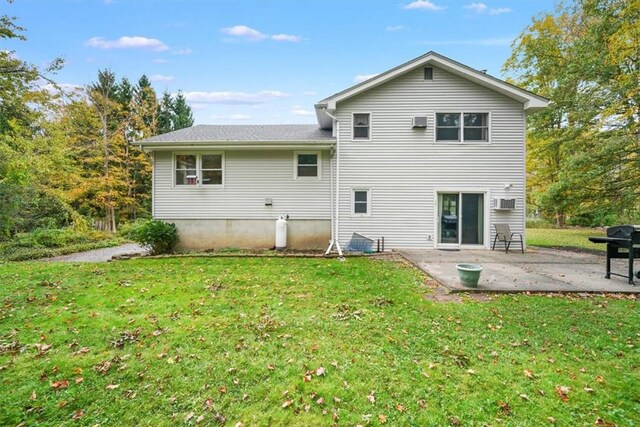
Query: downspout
336, 203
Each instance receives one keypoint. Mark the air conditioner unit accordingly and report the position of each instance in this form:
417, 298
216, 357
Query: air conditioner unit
501, 203
420, 122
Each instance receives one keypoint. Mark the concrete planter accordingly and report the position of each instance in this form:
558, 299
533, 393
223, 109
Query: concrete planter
469, 274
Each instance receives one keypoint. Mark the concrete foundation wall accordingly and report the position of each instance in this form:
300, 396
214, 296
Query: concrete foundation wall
200, 234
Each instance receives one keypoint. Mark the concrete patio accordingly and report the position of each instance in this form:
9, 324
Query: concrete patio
537, 270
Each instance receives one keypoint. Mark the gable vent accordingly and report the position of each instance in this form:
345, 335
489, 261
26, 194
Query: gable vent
420, 122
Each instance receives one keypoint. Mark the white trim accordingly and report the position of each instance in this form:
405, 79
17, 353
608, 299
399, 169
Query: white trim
461, 140
530, 101
153, 185
318, 165
198, 154
353, 202
486, 234
353, 139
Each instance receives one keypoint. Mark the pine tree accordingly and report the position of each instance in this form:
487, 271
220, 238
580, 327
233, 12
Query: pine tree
183, 117
165, 113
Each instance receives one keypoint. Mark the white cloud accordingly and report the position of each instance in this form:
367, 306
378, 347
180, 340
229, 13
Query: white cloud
423, 4
160, 61
198, 106
299, 111
362, 77
67, 88
310, 93
251, 34
500, 10
482, 8
161, 78
394, 28
476, 7
126, 42
234, 97
237, 116
244, 32
181, 52
471, 42
285, 38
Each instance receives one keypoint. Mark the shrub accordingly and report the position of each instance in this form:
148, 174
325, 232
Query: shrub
160, 236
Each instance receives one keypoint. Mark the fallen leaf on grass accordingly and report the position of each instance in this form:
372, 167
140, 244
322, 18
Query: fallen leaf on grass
77, 414
33, 395
599, 378
57, 385
320, 401
588, 389
189, 416
563, 392
320, 371
400, 408
287, 403
528, 373
112, 386
505, 408
382, 418
79, 380
601, 422
371, 397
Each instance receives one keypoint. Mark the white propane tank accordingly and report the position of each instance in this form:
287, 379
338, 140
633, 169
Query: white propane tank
281, 234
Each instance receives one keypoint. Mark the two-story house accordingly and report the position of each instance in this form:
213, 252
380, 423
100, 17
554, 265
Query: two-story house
428, 154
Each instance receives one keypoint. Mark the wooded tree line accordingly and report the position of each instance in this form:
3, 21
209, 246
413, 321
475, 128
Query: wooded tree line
583, 152
66, 155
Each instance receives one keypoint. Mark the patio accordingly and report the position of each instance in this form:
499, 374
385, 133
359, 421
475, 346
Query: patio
537, 270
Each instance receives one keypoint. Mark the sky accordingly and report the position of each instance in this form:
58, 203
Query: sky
260, 62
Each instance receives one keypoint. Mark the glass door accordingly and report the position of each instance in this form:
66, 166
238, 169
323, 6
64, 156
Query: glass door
461, 218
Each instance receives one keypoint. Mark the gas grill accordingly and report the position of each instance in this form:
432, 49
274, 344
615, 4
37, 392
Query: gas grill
623, 241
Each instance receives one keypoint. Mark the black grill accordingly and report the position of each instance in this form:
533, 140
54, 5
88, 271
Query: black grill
623, 241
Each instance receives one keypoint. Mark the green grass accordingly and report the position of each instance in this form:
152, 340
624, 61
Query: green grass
238, 339
574, 238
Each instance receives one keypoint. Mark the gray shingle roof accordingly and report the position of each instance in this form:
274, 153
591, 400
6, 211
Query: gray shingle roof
243, 133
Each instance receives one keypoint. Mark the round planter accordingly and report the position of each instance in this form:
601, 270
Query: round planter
469, 274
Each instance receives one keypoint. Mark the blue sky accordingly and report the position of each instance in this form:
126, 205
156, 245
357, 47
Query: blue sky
241, 62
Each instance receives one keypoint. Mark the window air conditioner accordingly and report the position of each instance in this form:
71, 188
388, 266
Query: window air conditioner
504, 204
420, 122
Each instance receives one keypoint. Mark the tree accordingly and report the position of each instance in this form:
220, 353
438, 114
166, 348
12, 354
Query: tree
102, 94
183, 117
583, 149
165, 113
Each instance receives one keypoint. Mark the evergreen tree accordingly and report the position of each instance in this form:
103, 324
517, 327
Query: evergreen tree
183, 117
165, 113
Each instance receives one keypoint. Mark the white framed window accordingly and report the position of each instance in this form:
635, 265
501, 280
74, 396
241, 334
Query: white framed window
198, 169
361, 202
462, 127
307, 164
361, 126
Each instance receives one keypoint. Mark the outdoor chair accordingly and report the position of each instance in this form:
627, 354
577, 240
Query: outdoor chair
504, 234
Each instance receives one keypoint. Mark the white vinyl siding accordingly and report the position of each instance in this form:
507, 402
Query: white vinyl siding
250, 177
405, 167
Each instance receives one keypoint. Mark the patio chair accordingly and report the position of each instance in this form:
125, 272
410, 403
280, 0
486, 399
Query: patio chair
504, 234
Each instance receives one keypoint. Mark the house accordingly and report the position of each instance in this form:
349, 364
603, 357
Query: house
429, 154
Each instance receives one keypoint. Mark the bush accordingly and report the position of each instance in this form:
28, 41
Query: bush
160, 236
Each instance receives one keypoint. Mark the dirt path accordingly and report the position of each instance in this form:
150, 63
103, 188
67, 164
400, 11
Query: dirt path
100, 255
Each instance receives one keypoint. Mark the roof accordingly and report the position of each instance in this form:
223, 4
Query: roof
531, 101
242, 133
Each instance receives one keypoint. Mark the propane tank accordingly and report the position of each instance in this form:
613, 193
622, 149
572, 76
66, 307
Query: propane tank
281, 234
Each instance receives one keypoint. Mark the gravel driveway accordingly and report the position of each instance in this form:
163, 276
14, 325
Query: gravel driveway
100, 255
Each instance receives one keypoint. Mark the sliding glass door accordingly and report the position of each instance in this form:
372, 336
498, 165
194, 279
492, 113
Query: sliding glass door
461, 218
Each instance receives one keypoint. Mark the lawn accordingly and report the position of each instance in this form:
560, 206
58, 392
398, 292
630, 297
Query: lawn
282, 341
574, 238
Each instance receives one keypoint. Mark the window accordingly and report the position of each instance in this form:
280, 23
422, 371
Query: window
198, 169
462, 127
361, 125
448, 127
428, 73
476, 127
186, 171
307, 164
361, 203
